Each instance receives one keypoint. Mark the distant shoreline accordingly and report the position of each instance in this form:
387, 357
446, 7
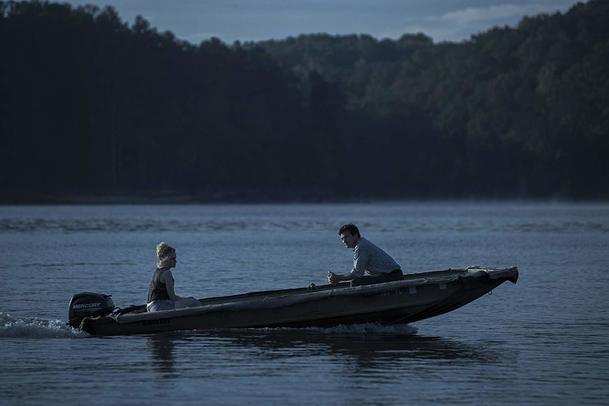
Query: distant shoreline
182, 199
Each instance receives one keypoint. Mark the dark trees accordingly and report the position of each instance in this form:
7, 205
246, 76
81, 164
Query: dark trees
90, 105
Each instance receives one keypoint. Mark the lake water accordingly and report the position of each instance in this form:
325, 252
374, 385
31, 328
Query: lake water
544, 340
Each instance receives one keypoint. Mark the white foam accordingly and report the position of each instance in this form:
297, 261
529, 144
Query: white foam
370, 328
35, 328
360, 329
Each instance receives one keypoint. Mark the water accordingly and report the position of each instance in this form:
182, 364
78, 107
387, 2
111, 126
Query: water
542, 341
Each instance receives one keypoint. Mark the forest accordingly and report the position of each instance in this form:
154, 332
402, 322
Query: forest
93, 107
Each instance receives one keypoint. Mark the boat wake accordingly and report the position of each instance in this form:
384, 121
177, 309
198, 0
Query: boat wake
32, 327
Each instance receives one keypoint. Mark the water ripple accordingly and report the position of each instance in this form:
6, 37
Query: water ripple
26, 225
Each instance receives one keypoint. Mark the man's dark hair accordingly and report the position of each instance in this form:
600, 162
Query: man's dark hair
351, 228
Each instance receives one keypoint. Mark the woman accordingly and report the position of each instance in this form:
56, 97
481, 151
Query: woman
161, 293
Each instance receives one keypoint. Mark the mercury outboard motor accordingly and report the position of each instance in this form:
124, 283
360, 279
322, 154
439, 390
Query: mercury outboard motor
88, 304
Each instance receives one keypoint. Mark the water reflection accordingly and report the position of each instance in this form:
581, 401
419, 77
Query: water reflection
161, 347
366, 351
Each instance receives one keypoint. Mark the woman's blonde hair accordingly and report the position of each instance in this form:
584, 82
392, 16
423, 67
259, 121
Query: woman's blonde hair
164, 252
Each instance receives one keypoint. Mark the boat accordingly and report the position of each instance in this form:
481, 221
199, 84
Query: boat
416, 297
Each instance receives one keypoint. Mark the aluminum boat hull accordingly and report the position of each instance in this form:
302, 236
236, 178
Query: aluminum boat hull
416, 297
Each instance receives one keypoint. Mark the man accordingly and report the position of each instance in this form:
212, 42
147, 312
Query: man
368, 258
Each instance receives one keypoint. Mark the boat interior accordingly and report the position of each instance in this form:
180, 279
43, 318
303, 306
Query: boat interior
430, 276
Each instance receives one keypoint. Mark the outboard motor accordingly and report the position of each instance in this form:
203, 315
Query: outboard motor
88, 304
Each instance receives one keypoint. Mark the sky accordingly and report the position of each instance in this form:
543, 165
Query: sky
255, 20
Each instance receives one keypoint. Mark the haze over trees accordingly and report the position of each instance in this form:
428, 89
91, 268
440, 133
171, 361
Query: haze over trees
91, 106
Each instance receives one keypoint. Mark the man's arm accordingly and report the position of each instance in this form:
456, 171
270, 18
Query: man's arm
361, 258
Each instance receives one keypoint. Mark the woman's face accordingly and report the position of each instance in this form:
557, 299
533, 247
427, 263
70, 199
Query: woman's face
168, 261
172, 261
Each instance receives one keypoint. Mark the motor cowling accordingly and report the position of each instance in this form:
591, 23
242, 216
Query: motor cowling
88, 304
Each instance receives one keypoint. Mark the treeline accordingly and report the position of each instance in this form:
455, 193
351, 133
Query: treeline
90, 106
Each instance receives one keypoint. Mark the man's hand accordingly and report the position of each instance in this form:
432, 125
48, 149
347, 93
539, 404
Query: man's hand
333, 278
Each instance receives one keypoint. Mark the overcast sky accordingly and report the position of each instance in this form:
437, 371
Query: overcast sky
253, 20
